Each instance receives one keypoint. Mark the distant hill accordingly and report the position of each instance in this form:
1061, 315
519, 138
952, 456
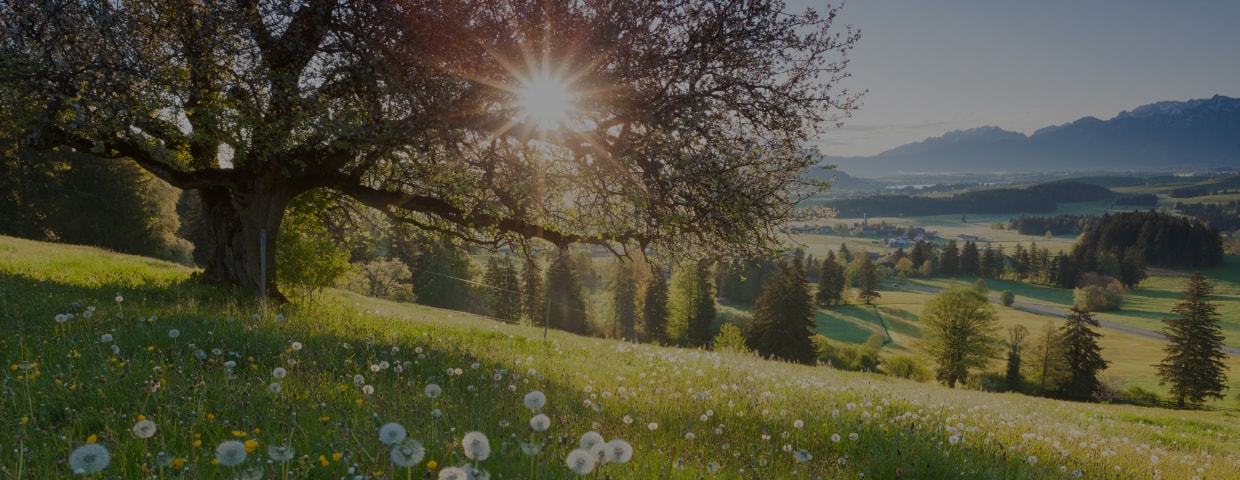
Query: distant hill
1196, 134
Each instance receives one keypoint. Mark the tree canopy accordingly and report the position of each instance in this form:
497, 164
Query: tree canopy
960, 332
1194, 365
683, 122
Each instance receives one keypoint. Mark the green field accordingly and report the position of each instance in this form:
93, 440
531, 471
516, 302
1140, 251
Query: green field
201, 364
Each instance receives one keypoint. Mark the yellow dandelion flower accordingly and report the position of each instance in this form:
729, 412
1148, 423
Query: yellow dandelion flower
336, 456
238, 433
25, 420
431, 464
210, 416
323, 460
325, 419
251, 445
177, 463
377, 473
257, 431
215, 461
92, 438
197, 443
141, 417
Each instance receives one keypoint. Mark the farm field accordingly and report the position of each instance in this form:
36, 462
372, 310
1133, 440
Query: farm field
320, 382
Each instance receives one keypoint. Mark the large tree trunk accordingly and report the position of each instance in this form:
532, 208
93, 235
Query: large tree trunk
242, 227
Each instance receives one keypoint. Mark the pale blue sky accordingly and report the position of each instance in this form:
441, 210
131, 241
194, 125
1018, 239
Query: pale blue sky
936, 66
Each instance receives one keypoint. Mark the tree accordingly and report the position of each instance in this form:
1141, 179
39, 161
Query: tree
624, 301
533, 305
422, 109
867, 280
970, 259
1082, 354
654, 306
1007, 298
730, 338
694, 303
441, 276
949, 259
566, 308
1048, 366
830, 282
1194, 363
504, 289
960, 332
1015, 342
783, 317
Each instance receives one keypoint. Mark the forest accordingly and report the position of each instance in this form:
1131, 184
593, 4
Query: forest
1041, 198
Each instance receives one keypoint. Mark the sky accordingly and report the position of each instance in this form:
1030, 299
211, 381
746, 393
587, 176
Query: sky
933, 66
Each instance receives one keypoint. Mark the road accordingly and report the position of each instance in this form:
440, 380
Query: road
1060, 314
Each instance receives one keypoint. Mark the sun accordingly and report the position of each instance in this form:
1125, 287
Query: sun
545, 102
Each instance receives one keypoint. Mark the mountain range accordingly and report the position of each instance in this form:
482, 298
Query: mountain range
1162, 136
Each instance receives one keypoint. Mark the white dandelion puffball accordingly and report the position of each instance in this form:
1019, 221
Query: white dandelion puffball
61, 318
802, 456
535, 400
798, 424
281, 453
275, 387
619, 451
368, 389
1032, 459
174, 333
89, 459
359, 380
106, 338
144, 429
540, 423
230, 453
580, 462
653, 426
392, 433
119, 299
835, 437
408, 454
230, 364
279, 372
296, 346
589, 439
432, 390
453, 473
476, 446
530, 449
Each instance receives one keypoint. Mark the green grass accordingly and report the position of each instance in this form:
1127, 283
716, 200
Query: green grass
718, 415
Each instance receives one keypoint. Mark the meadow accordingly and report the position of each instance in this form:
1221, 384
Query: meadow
176, 380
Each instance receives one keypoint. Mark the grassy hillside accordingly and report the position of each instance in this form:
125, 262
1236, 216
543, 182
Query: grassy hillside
206, 368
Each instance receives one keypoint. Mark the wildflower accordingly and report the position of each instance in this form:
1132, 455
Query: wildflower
619, 451
407, 454
580, 462
589, 439
279, 372
174, 333
954, 439
280, 453
392, 434
61, 318
540, 423
374, 367
436, 413
368, 389
798, 424
853, 436
119, 298
230, 364
432, 390
89, 459
296, 346
251, 445
652, 426
359, 380
144, 429
690, 436
476, 446
1033, 459
453, 473
530, 449
535, 400
274, 387
835, 437
802, 456
230, 453
628, 420
106, 338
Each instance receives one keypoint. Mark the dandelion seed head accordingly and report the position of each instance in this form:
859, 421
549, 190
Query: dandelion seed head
106, 338
535, 400
279, 372
392, 433
408, 454
230, 453
540, 423
368, 389
618, 451
432, 390
453, 473
589, 439
476, 446
281, 453
144, 429
296, 346
89, 459
174, 333
275, 387
580, 462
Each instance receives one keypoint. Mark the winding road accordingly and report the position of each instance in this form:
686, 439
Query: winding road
1058, 313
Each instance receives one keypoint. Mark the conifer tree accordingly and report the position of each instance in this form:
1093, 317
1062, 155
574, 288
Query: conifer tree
1194, 363
566, 304
1082, 354
533, 306
504, 289
867, 280
654, 306
970, 259
783, 318
1046, 364
949, 259
959, 328
830, 282
696, 302
441, 277
624, 301
1015, 342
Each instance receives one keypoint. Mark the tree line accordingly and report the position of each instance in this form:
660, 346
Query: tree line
1043, 197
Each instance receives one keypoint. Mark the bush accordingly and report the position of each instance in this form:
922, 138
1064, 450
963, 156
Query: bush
730, 339
1007, 297
387, 279
1141, 396
905, 366
1098, 293
989, 382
